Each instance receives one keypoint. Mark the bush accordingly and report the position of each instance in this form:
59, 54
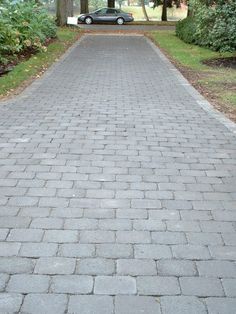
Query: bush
24, 25
186, 29
212, 26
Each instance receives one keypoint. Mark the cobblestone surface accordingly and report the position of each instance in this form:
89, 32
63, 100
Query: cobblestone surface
118, 190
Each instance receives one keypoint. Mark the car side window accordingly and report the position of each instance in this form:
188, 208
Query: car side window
102, 11
111, 11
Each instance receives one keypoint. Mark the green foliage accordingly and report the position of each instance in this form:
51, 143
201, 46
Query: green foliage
212, 26
186, 29
23, 25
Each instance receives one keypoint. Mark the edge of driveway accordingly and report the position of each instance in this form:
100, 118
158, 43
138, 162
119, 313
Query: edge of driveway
201, 100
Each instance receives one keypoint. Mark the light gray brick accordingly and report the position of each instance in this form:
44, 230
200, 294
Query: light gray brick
90, 304
9, 249
24, 283
229, 285
74, 284
216, 269
14, 222
131, 213
16, 265
34, 212
55, 265
136, 305
182, 305
60, 236
215, 226
135, 267
38, 249
114, 250
223, 252
152, 251
99, 213
67, 212
45, 303
98, 266
183, 226
100, 193
168, 237
229, 238
3, 234
77, 250
46, 223
25, 235
154, 285
113, 285
133, 237
81, 224
115, 224
195, 252
146, 204
205, 238
149, 224
176, 268
164, 214
201, 286
97, 236
221, 305
10, 302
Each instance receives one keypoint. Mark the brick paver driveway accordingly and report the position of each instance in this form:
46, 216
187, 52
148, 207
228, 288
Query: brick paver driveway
117, 190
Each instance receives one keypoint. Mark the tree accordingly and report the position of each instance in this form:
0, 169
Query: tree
144, 10
166, 4
64, 9
84, 6
111, 3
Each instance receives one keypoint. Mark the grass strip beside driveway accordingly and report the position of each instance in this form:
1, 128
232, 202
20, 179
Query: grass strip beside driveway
217, 84
26, 71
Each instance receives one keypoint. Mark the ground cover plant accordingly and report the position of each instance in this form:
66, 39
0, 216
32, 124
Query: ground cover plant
217, 83
24, 27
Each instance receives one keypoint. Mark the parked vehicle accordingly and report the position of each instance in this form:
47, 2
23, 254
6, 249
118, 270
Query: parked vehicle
106, 15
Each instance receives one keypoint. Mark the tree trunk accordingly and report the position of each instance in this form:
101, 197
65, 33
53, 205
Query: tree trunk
164, 11
111, 3
64, 9
84, 6
144, 10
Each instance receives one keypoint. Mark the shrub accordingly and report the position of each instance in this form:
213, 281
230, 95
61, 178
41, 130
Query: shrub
24, 25
186, 29
211, 26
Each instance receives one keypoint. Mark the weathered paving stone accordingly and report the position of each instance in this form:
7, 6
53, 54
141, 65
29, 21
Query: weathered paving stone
182, 305
10, 302
113, 285
135, 267
38, 249
136, 305
155, 285
176, 268
114, 250
201, 286
15, 265
3, 280
221, 305
77, 250
90, 304
44, 303
98, 266
55, 265
74, 284
28, 283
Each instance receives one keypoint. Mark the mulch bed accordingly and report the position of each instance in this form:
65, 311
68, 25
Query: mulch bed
222, 62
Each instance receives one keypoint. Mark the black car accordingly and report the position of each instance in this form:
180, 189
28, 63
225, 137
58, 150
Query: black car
106, 15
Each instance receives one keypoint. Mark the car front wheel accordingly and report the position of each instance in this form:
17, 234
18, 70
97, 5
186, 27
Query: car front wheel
120, 21
88, 20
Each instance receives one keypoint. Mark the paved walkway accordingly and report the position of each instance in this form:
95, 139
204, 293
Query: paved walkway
118, 190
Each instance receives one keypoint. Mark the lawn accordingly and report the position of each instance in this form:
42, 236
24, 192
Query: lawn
26, 71
173, 14
218, 84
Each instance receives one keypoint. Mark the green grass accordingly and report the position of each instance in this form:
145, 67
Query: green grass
217, 81
36, 65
